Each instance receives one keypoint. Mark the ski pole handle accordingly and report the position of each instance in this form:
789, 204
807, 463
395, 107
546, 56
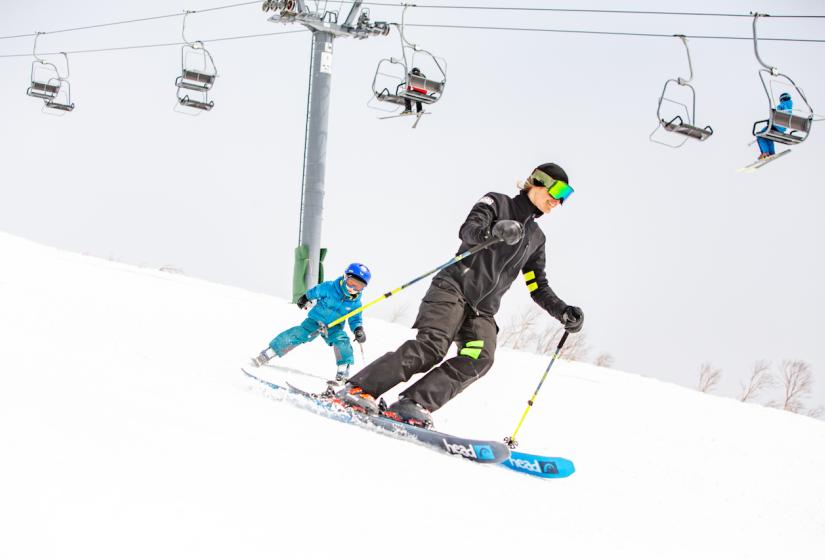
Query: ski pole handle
511, 440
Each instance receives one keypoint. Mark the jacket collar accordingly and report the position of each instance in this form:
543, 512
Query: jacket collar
524, 207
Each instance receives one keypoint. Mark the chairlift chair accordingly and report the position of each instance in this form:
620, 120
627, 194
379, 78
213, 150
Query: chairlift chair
62, 101
682, 126
200, 104
797, 124
198, 70
48, 84
414, 87
408, 84
45, 80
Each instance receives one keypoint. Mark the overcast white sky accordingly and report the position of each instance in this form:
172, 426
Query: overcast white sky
675, 257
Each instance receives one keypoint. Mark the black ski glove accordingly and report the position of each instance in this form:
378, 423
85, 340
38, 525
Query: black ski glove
572, 319
509, 231
359, 335
302, 302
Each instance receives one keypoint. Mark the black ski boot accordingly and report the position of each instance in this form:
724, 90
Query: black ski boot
410, 412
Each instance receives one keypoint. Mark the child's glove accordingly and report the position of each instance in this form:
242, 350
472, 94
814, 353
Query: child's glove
302, 302
359, 335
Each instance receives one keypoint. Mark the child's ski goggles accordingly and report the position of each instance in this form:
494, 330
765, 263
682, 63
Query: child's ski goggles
557, 189
354, 284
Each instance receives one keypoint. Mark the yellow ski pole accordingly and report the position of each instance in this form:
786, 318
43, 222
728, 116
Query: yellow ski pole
452, 261
511, 441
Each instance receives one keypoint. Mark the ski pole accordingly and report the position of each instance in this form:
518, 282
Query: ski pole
363, 356
511, 441
452, 261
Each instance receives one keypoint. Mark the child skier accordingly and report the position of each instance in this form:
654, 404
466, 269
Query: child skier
767, 148
334, 299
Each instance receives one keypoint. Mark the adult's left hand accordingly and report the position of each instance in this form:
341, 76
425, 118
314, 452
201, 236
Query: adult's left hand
572, 319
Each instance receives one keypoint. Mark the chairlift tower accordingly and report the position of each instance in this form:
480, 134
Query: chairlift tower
325, 28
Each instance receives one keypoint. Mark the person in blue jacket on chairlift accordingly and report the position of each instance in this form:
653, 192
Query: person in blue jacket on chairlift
767, 148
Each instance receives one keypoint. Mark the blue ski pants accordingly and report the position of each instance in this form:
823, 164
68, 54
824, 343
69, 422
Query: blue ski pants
767, 146
306, 331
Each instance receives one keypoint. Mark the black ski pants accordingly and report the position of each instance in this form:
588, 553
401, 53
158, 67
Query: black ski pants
443, 318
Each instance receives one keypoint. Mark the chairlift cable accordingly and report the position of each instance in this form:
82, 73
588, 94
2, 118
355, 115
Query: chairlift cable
128, 21
581, 10
614, 33
178, 44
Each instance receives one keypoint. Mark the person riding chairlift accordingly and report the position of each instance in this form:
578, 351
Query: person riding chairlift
767, 148
407, 102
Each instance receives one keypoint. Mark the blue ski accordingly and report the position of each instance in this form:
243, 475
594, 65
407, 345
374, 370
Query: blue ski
538, 465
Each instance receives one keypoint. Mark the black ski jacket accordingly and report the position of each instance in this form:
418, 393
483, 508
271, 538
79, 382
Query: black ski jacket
484, 277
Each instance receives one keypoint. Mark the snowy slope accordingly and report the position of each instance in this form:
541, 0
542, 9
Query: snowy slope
127, 432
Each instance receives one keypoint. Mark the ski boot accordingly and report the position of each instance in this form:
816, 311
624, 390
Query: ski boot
409, 412
262, 358
334, 385
355, 398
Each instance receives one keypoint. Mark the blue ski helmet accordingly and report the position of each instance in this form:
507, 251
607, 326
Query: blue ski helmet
360, 271
785, 97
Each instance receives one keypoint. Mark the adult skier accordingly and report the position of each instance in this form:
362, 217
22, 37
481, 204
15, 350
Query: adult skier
462, 301
767, 148
334, 299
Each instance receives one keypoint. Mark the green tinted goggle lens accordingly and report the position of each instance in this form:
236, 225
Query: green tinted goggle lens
557, 189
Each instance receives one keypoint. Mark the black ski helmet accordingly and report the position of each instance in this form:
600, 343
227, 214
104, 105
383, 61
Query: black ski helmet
555, 171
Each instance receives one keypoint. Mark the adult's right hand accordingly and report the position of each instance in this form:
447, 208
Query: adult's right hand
302, 302
509, 231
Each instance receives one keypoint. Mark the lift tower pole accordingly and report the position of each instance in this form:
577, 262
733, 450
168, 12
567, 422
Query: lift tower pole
325, 28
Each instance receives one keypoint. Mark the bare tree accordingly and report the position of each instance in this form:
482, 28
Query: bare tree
531, 327
398, 313
549, 338
761, 378
521, 330
818, 412
575, 349
604, 360
709, 376
797, 378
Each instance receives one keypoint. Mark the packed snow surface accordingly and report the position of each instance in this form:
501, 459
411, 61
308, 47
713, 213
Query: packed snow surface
127, 431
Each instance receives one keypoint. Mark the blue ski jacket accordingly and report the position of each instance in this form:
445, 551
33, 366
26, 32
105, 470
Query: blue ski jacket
333, 301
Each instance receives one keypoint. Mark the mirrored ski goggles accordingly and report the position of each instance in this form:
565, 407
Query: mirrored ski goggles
355, 284
557, 189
